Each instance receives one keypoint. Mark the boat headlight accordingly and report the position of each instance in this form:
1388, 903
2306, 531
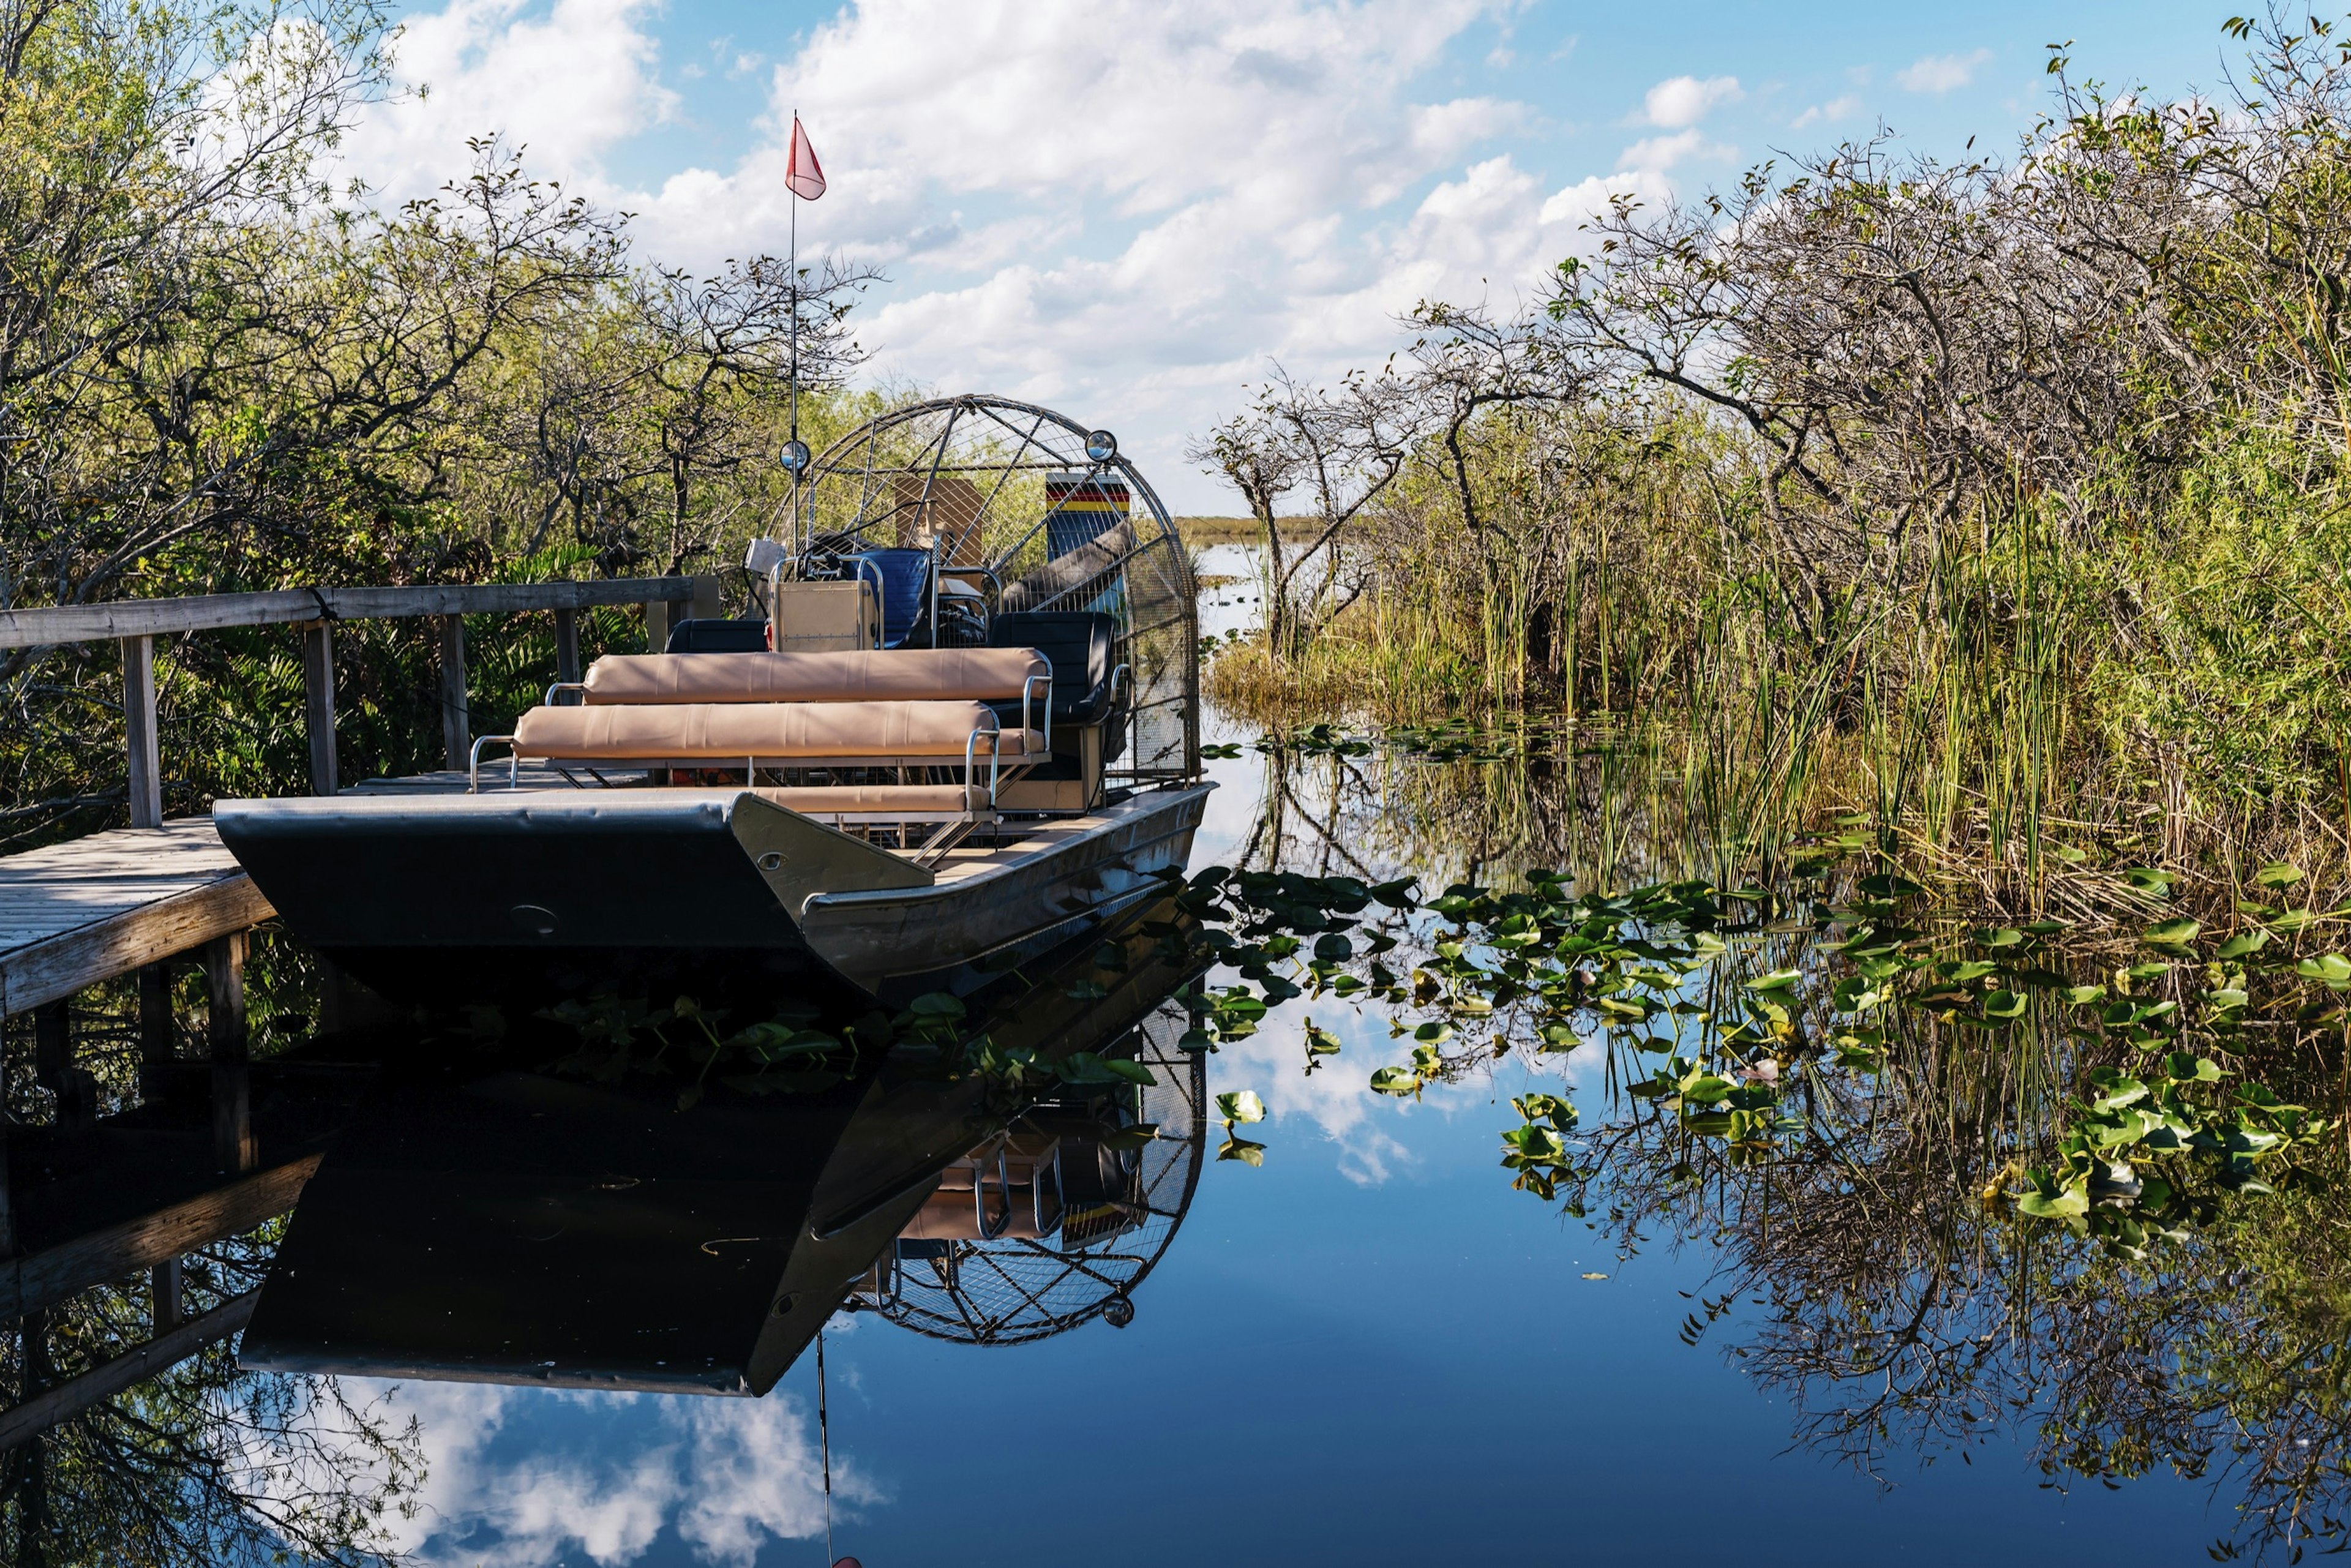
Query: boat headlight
1100, 445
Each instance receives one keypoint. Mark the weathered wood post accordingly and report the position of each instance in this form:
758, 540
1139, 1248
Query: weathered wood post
7, 1200
139, 720
567, 644
232, 1144
457, 726
319, 703
53, 1066
164, 1286
656, 625
158, 1034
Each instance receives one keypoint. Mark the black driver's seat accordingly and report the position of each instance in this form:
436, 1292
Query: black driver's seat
1089, 702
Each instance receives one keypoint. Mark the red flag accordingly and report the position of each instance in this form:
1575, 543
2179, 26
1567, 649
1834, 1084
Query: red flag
803, 175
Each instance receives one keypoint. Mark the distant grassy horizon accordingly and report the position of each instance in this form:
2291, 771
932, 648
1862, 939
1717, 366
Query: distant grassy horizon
1234, 530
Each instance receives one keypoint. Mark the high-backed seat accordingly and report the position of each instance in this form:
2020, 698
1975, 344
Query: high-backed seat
1091, 694
905, 579
1078, 647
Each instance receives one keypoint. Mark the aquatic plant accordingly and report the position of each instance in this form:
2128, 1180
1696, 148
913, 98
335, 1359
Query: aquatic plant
1547, 970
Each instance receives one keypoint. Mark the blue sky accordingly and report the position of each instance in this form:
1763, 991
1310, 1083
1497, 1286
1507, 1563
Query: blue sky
1129, 210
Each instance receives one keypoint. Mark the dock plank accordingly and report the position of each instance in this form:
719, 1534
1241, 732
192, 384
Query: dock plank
77, 914
171, 1228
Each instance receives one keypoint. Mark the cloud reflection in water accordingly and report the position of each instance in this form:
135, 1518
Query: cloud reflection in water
530, 1478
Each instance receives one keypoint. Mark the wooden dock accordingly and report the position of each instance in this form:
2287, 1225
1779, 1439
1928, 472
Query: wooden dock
77, 914
215, 1147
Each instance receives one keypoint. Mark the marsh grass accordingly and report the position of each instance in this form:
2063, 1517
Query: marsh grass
2025, 712
1200, 533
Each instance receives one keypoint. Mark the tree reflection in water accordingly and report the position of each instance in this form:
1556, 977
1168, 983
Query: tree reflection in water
2048, 1183
204, 1463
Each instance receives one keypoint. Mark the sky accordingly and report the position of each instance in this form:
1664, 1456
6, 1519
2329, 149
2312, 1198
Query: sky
1131, 211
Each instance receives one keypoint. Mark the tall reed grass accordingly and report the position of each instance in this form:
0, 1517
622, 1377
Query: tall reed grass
2018, 709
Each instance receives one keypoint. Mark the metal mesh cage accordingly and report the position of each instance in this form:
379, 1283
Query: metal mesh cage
1012, 498
1009, 1290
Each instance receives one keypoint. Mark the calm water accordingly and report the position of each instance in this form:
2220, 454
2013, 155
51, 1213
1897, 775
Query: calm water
1370, 1349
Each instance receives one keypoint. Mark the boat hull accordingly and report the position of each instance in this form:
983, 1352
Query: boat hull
471, 897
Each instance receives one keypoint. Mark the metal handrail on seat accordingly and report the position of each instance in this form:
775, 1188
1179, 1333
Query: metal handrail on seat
881, 597
1003, 1194
474, 763
1027, 692
995, 757
1036, 1192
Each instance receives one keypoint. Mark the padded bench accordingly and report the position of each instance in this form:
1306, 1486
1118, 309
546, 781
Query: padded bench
912, 675
802, 735
849, 709
880, 802
796, 734
896, 806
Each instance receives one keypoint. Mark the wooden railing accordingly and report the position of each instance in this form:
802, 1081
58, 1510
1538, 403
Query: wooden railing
137, 622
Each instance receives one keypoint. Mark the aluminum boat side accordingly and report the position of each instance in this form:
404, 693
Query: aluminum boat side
415, 896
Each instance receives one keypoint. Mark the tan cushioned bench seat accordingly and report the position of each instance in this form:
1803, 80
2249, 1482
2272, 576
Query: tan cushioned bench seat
906, 675
725, 732
880, 800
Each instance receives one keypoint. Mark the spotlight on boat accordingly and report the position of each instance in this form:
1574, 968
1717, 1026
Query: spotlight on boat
1100, 445
794, 457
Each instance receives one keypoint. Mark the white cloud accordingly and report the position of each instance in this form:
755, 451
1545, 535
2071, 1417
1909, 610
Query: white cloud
1941, 73
1126, 214
523, 1478
571, 85
1335, 1099
752, 1477
1656, 154
1222, 206
1829, 113
1685, 100
1094, 113
1591, 197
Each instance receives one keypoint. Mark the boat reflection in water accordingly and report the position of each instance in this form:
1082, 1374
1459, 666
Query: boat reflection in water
525, 1227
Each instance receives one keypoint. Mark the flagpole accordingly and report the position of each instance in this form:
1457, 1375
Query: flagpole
793, 263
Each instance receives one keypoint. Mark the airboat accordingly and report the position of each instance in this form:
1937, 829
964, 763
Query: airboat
956, 727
